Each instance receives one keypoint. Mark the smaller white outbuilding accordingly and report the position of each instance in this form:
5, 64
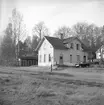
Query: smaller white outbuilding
100, 53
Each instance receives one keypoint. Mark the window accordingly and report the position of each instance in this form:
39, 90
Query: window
40, 58
70, 58
44, 57
44, 46
78, 58
77, 46
50, 46
67, 45
61, 57
49, 57
71, 45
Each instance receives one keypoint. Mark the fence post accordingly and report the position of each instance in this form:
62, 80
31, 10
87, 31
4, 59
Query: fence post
51, 67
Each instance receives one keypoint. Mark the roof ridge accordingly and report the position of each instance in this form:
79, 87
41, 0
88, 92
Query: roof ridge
56, 42
52, 37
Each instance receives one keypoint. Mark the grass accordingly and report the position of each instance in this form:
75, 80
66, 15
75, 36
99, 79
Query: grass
46, 88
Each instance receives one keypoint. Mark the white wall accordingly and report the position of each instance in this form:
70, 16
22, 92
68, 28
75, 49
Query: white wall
98, 53
66, 56
98, 56
46, 48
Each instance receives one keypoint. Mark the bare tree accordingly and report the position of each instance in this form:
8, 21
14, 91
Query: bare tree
89, 33
28, 42
65, 31
35, 41
40, 30
19, 31
80, 29
101, 49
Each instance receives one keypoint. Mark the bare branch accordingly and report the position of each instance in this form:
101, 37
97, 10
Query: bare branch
40, 30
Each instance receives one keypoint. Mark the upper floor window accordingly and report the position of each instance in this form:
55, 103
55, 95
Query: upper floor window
72, 45
77, 46
44, 46
50, 46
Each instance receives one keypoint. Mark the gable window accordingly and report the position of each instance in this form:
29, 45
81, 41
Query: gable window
44, 57
67, 45
72, 45
49, 57
70, 58
77, 46
50, 46
44, 46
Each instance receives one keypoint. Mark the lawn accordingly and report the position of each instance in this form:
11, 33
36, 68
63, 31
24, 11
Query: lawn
38, 86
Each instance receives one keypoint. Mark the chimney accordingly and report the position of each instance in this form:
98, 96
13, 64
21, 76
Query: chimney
61, 36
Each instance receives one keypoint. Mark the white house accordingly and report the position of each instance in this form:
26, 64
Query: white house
52, 50
100, 52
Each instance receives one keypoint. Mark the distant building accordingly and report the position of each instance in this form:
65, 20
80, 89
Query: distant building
52, 50
100, 52
28, 60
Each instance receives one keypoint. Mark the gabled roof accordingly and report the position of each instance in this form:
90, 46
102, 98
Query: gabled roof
56, 43
59, 43
85, 48
70, 39
40, 43
100, 47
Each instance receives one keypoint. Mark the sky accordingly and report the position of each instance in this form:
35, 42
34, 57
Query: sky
54, 13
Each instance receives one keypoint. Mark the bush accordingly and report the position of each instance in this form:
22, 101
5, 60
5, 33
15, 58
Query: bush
10, 62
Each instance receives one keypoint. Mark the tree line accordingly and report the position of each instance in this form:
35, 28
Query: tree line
16, 41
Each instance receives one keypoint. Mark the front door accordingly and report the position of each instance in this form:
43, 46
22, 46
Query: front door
61, 59
84, 59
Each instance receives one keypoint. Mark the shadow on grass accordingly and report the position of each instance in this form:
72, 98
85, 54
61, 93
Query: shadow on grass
52, 73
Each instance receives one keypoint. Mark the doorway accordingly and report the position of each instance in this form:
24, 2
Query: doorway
61, 59
84, 59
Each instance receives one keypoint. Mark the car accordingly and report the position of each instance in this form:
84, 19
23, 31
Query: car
77, 65
83, 64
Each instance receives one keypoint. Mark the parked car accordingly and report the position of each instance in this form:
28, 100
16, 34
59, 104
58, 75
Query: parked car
83, 64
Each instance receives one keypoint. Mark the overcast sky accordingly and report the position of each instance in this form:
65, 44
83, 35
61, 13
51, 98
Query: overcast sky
55, 13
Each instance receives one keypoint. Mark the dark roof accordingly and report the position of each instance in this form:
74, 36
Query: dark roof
38, 46
89, 49
59, 43
70, 39
85, 48
99, 46
29, 57
56, 43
